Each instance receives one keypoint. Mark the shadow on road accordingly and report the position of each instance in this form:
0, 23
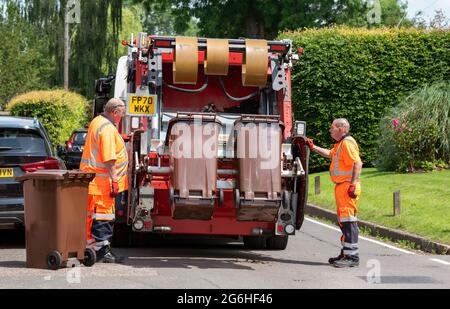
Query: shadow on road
12, 239
204, 254
177, 253
13, 264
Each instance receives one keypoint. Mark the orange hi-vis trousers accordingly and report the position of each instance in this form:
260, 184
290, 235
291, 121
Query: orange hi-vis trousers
346, 208
101, 215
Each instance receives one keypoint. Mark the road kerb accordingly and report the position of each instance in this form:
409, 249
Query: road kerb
378, 230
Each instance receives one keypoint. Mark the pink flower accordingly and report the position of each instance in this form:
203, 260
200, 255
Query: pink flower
410, 129
395, 122
400, 129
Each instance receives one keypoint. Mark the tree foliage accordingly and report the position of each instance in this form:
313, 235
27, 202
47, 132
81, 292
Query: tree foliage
60, 111
40, 25
24, 64
359, 74
266, 18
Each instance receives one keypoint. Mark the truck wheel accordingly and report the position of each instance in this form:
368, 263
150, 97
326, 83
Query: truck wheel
254, 242
121, 235
277, 242
237, 198
54, 260
89, 257
221, 198
171, 196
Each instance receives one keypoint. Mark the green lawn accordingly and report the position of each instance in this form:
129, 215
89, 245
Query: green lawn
425, 201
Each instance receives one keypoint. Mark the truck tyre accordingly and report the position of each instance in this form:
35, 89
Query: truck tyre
254, 242
277, 242
237, 198
221, 198
171, 196
121, 235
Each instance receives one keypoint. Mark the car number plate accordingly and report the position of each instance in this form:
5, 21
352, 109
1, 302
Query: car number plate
139, 105
6, 172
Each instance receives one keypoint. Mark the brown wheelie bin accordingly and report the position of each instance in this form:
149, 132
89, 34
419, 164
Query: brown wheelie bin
258, 145
194, 170
55, 218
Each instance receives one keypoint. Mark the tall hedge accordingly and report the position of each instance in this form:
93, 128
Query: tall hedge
60, 111
358, 74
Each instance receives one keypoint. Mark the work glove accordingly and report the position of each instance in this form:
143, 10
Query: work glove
114, 189
126, 137
353, 191
310, 143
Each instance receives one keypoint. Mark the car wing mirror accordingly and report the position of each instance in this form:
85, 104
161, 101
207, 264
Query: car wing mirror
60, 150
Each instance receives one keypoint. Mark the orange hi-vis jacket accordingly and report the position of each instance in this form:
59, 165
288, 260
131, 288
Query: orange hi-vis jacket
103, 144
344, 154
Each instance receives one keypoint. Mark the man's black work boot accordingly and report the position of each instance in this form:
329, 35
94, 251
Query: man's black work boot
346, 262
334, 259
107, 256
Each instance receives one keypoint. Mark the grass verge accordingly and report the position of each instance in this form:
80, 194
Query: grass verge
425, 201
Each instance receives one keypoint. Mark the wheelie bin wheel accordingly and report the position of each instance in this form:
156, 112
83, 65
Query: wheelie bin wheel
89, 257
54, 260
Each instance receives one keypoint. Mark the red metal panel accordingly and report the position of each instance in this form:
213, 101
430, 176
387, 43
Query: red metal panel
181, 101
286, 109
235, 58
138, 73
216, 226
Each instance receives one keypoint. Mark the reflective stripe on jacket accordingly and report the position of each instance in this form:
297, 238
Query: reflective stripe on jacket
104, 143
344, 154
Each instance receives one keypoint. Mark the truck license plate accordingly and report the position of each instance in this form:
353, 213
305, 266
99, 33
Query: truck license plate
6, 172
141, 105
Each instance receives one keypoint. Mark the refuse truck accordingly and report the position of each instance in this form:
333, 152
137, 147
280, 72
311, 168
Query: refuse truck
214, 148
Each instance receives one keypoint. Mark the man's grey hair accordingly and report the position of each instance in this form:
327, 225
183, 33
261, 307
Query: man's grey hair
113, 104
342, 123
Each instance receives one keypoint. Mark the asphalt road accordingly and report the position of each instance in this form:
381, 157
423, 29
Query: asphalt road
222, 264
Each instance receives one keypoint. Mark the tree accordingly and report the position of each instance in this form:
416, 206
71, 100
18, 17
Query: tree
90, 43
266, 18
439, 21
24, 64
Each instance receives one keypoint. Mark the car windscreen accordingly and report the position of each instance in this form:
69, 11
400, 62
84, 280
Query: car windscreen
80, 138
21, 141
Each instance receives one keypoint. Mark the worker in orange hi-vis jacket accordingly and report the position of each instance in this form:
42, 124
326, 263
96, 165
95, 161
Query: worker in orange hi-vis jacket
345, 170
105, 154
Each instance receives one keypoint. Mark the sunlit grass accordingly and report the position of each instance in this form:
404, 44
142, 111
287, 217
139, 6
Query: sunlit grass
425, 201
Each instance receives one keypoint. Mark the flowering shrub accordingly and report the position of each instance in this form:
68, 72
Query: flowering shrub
416, 146
415, 135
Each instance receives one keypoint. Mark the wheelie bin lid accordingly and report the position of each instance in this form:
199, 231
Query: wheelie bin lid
248, 118
191, 117
65, 175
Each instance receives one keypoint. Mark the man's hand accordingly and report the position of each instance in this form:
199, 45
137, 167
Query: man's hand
351, 191
126, 137
114, 189
310, 143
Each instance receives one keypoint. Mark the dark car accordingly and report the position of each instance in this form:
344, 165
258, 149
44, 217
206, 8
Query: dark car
24, 147
73, 150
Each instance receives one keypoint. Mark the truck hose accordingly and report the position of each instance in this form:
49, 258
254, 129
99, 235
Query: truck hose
198, 90
251, 95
